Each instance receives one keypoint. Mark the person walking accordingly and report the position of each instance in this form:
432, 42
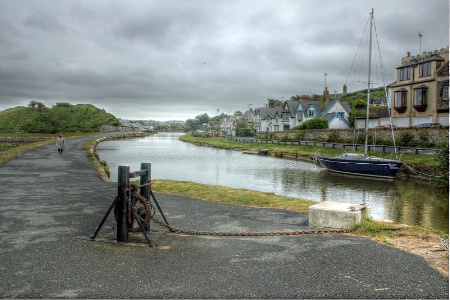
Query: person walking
60, 143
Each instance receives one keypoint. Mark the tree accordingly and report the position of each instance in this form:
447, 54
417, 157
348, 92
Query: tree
32, 104
192, 124
359, 104
274, 102
203, 118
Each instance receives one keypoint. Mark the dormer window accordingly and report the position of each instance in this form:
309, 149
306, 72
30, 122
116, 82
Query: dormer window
311, 112
425, 69
404, 73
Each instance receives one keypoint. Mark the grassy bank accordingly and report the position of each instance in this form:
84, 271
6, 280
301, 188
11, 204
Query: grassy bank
228, 195
300, 151
10, 150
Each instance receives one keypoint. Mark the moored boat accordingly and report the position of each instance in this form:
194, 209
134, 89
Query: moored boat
359, 164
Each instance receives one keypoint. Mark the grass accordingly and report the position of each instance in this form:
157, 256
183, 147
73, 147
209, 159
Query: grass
10, 150
228, 195
300, 151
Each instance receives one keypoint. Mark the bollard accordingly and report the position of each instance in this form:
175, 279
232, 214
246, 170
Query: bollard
144, 191
122, 224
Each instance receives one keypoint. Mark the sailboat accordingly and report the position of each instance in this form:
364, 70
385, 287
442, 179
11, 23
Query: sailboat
362, 164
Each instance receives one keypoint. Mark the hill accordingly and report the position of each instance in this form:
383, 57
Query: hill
62, 117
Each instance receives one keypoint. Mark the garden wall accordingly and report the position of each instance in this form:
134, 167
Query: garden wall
432, 136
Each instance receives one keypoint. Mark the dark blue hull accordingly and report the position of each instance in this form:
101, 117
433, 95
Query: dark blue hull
361, 165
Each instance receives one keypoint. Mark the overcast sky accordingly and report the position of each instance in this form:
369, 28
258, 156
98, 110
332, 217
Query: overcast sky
167, 60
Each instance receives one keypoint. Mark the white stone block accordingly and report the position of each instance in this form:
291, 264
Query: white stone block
330, 214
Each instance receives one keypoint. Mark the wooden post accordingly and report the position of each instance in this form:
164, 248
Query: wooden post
123, 185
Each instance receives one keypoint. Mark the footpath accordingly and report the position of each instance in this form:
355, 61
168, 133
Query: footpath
48, 200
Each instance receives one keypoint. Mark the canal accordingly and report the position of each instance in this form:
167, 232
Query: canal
409, 202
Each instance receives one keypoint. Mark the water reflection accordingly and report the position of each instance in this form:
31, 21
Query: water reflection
412, 203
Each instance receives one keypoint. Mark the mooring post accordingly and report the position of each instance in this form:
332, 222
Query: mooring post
144, 191
123, 185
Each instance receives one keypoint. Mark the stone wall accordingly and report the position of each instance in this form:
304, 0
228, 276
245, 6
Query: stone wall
434, 135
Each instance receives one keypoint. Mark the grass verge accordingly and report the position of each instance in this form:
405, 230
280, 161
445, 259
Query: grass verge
300, 151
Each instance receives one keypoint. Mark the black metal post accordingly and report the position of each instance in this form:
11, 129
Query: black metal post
123, 185
144, 190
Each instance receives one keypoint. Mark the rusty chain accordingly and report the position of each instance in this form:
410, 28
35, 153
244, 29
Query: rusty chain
151, 217
273, 233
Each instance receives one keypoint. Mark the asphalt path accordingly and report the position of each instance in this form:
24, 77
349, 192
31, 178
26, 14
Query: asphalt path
48, 201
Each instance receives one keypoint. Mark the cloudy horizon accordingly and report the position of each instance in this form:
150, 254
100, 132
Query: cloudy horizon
174, 60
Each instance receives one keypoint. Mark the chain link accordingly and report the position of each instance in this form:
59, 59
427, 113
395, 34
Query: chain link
214, 233
272, 233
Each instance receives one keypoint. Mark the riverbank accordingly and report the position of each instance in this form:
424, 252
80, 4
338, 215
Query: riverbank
420, 167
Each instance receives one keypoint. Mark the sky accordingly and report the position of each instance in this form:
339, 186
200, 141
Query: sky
176, 59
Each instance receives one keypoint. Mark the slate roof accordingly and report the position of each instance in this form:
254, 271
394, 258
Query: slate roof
292, 106
271, 112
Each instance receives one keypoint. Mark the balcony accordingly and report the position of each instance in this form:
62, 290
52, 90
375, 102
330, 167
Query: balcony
400, 109
421, 107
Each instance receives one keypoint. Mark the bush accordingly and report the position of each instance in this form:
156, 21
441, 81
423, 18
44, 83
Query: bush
284, 138
333, 137
244, 132
300, 136
317, 123
406, 139
443, 170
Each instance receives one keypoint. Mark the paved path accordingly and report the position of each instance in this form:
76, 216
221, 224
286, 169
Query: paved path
47, 200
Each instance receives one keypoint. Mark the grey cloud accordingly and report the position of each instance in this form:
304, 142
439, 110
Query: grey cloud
157, 59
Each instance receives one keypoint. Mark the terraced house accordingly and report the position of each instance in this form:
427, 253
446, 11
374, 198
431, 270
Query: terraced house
420, 94
294, 112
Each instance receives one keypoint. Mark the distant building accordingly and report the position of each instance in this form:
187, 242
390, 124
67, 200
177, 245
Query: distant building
420, 94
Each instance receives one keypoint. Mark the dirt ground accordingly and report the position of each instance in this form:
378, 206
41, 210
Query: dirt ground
422, 243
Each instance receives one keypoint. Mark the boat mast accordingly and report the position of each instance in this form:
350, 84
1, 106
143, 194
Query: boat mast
368, 88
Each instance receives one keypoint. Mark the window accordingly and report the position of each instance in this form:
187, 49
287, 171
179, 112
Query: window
420, 96
425, 69
311, 112
445, 93
341, 113
420, 99
404, 74
400, 99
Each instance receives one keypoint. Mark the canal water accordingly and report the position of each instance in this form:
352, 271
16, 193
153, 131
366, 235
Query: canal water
413, 203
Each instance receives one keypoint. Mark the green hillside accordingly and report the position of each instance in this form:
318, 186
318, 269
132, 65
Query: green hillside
62, 117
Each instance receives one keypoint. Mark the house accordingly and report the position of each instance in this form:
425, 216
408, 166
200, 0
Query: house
336, 112
268, 119
294, 113
127, 126
420, 94
336, 121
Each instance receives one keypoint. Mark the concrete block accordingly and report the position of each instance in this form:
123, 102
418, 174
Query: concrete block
330, 214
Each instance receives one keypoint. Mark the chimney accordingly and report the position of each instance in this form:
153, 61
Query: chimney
408, 53
344, 90
326, 94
